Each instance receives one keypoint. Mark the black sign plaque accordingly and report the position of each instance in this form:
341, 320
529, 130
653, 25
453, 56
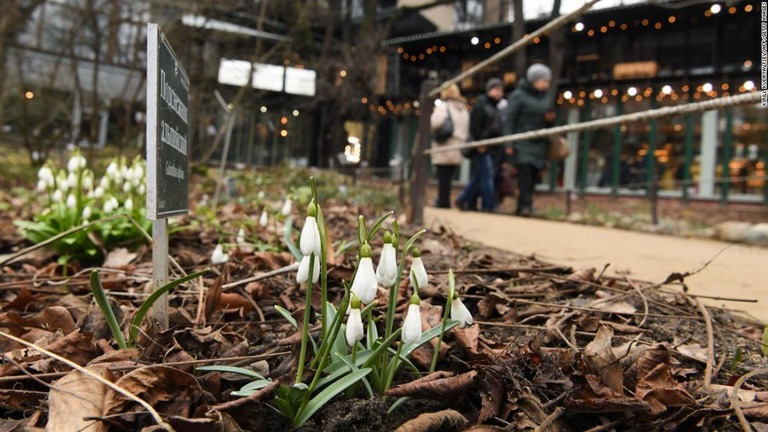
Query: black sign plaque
167, 129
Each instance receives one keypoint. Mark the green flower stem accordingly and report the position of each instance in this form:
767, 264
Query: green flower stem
393, 290
393, 369
323, 260
436, 354
305, 324
325, 353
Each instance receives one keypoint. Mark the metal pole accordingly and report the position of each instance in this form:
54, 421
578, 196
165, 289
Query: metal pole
727, 144
650, 162
160, 270
584, 152
654, 194
568, 202
419, 160
616, 152
688, 156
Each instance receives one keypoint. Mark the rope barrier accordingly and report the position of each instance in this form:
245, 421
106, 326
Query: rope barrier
555, 23
714, 104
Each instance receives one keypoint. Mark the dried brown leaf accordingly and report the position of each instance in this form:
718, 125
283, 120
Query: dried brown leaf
167, 389
76, 399
599, 356
656, 385
119, 258
440, 385
467, 337
441, 421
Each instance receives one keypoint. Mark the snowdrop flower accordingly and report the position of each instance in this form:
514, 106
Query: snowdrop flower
309, 241
128, 204
355, 330
386, 272
365, 283
142, 189
71, 201
303, 274
72, 180
459, 312
57, 195
264, 219
42, 185
112, 170
418, 271
98, 192
261, 195
240, 236
111, 205
76, 163
87, 212
127, 187
46, 175
412, 322
287, 207
104, 183
218, 256
87, 180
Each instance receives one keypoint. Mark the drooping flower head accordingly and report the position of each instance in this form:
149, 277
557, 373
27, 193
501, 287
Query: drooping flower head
365, 283
459, 312
240, 239
309, 241
264, 219
386, 272
355, 330
287, 206
418, 274
412, 322
303, 274
218, 256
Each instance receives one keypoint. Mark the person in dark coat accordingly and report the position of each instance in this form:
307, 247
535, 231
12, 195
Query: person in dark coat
529, 109
485, 121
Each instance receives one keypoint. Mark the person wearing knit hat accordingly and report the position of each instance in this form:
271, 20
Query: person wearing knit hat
485, 121
529, 109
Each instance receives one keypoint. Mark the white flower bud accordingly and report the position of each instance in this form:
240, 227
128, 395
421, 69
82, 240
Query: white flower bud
57, 195
72, 180
417, 269
264, 219
240, 236
287, 207
104, 183
86, 212
386, 272
127, 187
218, 256
73, 164
98, 192
355, 330
412, 324
365, 284
42, 185
46, 174
128, 204
112, 169
460, 313
309, 240
71, 201
141, 189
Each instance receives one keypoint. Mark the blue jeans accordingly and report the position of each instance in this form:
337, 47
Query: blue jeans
481, 183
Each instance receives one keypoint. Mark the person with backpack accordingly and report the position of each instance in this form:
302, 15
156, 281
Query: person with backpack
485, 121
529, 109
450, 126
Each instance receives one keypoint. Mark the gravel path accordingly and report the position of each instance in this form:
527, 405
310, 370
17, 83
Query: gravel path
737, 272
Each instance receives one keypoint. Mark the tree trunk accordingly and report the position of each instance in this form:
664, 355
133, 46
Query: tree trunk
557, 46
518, 30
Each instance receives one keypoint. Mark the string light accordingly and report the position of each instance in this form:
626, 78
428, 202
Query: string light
666, 90
715, 8
475, 40
578, 27
632, 91
749, 85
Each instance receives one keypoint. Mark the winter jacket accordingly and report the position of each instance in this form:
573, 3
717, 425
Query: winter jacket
485, 119
460, 118
525, 112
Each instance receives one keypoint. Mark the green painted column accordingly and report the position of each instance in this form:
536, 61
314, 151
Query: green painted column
650, 161
616, 151
687, 156
725, 187
584, 151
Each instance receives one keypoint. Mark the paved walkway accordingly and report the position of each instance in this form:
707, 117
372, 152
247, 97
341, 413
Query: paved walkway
738, 272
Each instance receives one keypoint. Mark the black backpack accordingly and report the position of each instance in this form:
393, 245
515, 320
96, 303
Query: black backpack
445, 131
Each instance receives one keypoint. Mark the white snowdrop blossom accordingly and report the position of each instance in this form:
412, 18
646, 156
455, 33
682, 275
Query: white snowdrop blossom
98, 192
240, 236
386, 272
75, 163
111, 205
287, 207
309, 241
365, 284
355, 330
104, 183
58, 195
42, 185
418, 271
142, 189
128, 204
460, 313
112, 170
127, 187
87, 212
303, 274
412, 322
218, 256
87, 181
72, 180
264, 219
71, 201
45, 173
